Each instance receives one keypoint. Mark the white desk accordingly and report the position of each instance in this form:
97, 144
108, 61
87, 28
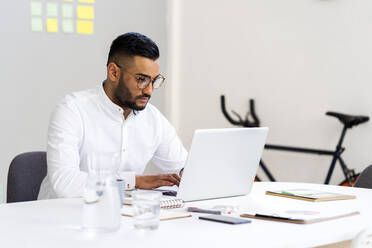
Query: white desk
56, 223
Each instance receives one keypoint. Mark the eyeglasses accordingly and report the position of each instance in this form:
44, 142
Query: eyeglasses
143, 81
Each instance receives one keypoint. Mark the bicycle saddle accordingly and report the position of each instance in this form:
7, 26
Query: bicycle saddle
349, 120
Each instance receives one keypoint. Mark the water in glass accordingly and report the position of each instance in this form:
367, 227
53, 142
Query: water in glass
101, 208
146, 209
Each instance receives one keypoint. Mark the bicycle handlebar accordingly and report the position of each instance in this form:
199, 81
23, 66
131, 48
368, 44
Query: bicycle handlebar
253, 112
246, 122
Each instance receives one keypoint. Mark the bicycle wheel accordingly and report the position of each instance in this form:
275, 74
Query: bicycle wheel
353, 180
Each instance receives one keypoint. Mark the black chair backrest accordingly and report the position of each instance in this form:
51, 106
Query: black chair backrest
365, 178
26, 172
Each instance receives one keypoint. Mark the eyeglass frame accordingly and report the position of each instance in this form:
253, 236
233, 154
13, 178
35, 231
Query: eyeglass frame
147, 77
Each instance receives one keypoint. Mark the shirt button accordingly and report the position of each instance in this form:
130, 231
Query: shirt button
119, 110
123, 149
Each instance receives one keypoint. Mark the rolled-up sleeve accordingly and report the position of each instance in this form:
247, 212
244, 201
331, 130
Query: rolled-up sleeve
64, 138
170, 155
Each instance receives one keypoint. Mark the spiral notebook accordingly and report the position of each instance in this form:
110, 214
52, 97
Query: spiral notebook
171, 202
166, 202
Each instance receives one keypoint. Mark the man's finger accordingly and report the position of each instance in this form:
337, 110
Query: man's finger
177, 177
160, 183
171, 178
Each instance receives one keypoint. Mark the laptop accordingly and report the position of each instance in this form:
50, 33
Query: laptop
221, 163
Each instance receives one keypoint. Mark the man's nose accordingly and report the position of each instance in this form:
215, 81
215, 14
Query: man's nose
148, 90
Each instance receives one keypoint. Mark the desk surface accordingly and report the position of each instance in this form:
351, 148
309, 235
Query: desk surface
56, 223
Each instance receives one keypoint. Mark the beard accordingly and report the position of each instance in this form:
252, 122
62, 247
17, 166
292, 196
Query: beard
125, 98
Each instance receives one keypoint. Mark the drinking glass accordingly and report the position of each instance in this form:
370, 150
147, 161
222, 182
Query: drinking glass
146, 209
101, 208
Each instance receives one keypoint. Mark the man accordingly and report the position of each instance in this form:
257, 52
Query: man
114, 118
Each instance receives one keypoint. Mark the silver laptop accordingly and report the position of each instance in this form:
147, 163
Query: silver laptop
222, 163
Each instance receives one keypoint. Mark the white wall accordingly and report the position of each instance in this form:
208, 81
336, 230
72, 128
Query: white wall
38, 69
296, 58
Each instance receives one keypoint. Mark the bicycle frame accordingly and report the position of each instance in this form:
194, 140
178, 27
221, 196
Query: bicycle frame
336, 154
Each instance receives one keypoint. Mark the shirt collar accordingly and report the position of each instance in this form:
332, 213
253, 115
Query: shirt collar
107, 103
110, 105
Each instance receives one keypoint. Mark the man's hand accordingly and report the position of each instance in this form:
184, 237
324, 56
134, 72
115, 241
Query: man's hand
154, 181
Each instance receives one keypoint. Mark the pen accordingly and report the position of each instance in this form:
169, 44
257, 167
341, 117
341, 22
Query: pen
200, 210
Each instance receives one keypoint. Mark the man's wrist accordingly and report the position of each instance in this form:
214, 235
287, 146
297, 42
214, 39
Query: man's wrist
137, 181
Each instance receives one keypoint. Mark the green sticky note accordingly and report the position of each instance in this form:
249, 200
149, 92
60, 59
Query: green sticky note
67, 11
52, 10
36, 8
36, 24
67, 26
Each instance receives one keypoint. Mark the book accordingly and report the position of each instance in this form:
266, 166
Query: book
165, 214
299, 217
165, 203
310, 195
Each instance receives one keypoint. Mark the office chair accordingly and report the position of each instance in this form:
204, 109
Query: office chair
26, 172
365, 178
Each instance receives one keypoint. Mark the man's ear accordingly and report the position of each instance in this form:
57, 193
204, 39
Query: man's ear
113, 72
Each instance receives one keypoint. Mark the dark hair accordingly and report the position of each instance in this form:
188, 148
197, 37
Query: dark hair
132, 44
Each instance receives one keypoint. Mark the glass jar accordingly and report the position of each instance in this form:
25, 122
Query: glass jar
101, 208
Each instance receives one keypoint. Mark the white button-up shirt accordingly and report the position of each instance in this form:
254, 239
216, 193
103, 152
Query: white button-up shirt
89, 122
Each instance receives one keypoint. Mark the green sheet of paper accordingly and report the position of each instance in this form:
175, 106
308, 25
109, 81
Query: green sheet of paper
67, 26
52, 9
67, 11
36, 24
36, 8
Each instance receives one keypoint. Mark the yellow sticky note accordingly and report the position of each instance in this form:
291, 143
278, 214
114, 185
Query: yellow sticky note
84, 27
36, 8
85, 12
86, 1
52, 25
36, 24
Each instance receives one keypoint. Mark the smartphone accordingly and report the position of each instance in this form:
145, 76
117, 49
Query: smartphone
224, 219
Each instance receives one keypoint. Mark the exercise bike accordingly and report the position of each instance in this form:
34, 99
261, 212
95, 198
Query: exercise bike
348, 121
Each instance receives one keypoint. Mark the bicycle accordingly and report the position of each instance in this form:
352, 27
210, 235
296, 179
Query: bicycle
348, 121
